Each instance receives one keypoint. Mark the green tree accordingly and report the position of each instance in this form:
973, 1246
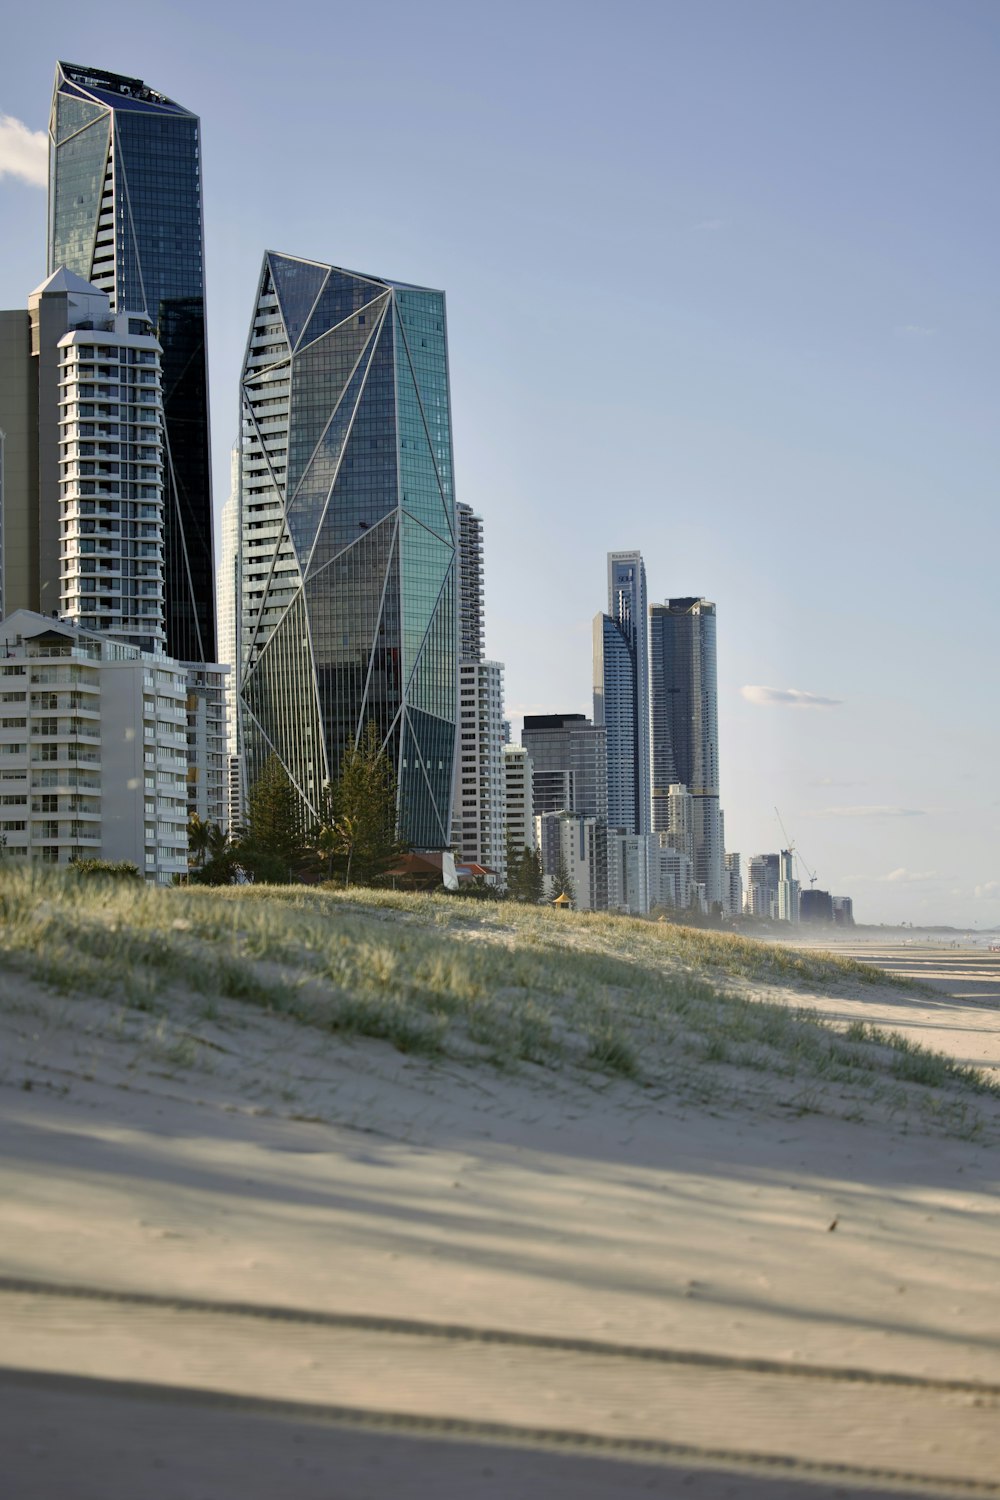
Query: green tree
563, 885
525, 878
206, 841
273, 836
358, 831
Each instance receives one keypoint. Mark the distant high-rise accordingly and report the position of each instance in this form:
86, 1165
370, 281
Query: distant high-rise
348, 536
685, 729
480, 813
569, 761
125, 214
621, 691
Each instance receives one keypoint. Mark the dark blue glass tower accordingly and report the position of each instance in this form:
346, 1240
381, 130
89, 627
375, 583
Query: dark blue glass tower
125, 214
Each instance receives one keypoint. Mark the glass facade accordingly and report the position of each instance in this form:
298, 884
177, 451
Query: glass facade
347, 535
685, 735
125, 214
621, 692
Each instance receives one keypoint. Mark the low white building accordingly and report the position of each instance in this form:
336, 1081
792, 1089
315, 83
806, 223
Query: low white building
93, 749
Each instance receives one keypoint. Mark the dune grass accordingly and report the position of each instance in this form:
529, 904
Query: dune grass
444, 977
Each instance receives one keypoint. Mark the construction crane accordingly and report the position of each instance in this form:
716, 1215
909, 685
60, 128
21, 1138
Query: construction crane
790, 846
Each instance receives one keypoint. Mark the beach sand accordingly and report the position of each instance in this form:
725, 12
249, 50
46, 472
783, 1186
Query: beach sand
395, 1214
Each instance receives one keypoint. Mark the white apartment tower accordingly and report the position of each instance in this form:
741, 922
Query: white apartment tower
101, 476
480, 803
517, 796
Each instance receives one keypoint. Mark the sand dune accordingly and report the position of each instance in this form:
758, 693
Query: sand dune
812, 1276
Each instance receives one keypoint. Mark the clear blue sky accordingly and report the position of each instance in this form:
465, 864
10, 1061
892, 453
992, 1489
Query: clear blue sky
722, 285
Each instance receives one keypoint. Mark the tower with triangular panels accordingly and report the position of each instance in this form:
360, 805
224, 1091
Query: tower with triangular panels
348, 535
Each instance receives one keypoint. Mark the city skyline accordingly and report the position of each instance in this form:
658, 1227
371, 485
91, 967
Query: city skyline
790, 412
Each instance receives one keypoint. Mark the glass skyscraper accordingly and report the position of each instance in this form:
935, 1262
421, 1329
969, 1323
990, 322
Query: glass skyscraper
348, 535
621, 691
685, 720
125, 214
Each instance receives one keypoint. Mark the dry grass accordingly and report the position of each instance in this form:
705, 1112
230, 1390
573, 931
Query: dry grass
494, 983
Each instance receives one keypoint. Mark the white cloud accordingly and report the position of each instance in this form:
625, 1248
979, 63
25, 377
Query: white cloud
872, 812
902, 874
988, 892
767, 697
24, 153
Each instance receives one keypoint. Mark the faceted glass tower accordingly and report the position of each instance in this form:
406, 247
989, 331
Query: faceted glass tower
348, 535
125, 214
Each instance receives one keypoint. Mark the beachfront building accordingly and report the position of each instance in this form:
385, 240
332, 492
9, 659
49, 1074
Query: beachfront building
816, 906
569, 764
671, 879
685, 732
480, 808
621, 692
761, 896
788, 888
125, 215
227, 594
843, 911
80, 400
206, 688
347, 547
93, 749
480, 816
633, 878
517, 797
732, 889
580, 845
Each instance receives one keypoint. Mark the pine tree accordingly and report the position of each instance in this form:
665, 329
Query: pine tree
525, 880
274, 818
563, 885
359, 826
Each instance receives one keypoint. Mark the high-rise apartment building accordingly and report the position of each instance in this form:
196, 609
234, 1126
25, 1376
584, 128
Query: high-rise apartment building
480, 821
517, 795
349, 601
84, 501
471, 604
480, 813
125, 214
570, 774
569, 764
788, 888
227, 597
685, 730
621, 691
732, 889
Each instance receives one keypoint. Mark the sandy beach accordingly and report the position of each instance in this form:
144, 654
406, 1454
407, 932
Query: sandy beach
314, 1265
